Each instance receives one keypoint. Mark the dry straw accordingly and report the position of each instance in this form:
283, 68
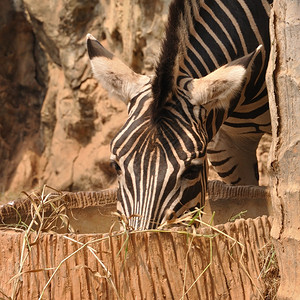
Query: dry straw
39, 223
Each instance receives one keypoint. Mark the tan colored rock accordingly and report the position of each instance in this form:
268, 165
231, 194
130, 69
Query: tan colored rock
78, 118
283, 82
262, 153
26, 172
22, 88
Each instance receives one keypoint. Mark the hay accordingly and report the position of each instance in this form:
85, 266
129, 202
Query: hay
42, 223
269, 271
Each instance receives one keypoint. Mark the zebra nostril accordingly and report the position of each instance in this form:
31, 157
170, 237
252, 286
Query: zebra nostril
170, 215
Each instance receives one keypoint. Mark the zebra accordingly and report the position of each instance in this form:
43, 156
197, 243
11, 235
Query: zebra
207, 100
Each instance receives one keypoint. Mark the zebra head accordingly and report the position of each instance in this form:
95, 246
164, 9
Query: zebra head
160, 152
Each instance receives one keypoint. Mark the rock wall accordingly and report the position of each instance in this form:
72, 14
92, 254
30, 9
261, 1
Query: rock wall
56, 122
23, 84
283, 82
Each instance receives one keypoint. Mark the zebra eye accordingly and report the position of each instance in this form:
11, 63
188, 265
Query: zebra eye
192, 172
116, 166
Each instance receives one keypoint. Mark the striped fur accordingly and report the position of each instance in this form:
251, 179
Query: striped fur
193, 108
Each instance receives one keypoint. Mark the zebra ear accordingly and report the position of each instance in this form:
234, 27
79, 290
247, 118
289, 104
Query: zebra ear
113, 74
220, 86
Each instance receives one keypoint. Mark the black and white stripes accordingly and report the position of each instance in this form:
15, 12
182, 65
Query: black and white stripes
207, 98
156, 160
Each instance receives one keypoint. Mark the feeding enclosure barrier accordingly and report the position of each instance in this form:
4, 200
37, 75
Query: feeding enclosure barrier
184, 261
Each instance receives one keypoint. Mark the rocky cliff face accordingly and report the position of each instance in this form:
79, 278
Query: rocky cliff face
23, 84
56, 122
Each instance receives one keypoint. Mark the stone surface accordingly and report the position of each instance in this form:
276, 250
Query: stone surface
56, 123
283, 81
23, 82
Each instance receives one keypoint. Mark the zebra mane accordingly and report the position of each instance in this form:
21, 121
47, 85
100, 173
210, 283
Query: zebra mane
164, 79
